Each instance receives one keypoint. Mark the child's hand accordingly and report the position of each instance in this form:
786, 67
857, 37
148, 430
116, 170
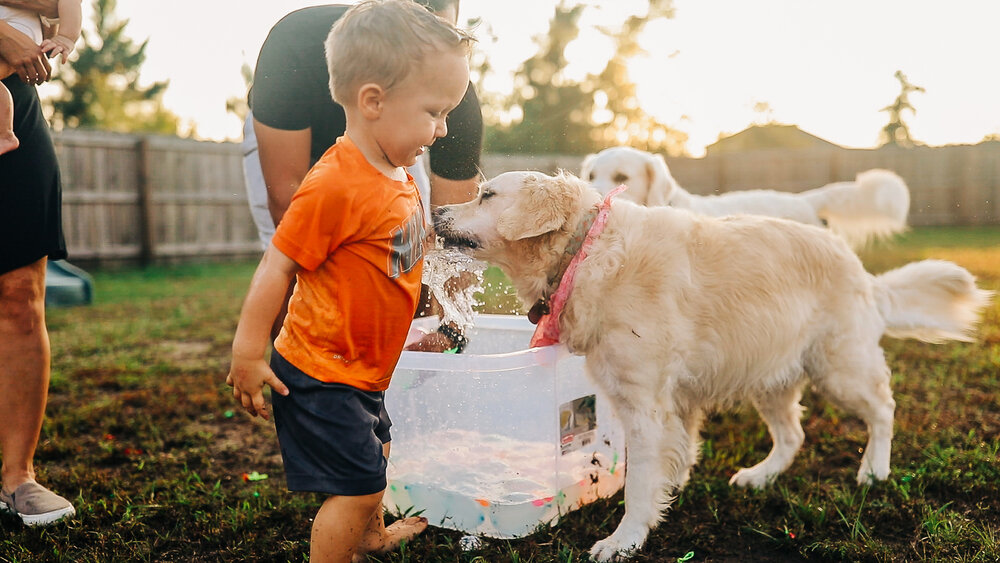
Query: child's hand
248, 379
58, 45
431, 342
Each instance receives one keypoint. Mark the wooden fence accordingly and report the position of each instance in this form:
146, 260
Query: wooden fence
152, 198
145, 199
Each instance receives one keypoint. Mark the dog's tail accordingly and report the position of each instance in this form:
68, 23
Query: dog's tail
874, 206
931, 300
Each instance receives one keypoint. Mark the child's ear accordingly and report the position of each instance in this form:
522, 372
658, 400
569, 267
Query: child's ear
370, 98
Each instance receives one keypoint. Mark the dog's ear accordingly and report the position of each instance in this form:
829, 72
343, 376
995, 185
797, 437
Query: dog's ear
544, 203
661, 183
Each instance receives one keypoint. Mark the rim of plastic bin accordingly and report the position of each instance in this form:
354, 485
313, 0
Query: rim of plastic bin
485, 363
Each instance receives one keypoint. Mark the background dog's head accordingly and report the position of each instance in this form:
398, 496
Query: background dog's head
646, 175
520, 221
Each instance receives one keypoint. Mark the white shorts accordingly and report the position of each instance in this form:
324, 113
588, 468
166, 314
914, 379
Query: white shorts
24, 21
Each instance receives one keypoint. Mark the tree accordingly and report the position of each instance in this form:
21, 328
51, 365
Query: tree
554, 111
100, 89
765, 113
549, 113
896, 132
629, 123
237, 105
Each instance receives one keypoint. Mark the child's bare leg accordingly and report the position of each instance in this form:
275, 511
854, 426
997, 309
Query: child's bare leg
339, 526
8, 141
346, 525
380, 539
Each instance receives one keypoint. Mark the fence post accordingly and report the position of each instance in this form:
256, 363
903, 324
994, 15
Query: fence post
147, 250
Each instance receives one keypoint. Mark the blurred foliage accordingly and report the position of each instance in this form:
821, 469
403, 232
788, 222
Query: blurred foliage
548, 112
896, 131
237, 105
100, 87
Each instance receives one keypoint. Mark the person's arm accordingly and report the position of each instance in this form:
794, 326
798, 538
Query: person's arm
47, 8
23, 55
70, 19
68, 31
455, 157
249, 371
284, 161
447, 192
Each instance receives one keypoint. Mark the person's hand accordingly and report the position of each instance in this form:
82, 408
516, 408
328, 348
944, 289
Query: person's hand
431, 342
24, 56
248, 377
58, 46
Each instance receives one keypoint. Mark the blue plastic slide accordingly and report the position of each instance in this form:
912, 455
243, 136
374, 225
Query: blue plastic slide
66, 285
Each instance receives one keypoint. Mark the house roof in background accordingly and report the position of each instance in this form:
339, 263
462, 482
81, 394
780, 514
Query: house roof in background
769, 136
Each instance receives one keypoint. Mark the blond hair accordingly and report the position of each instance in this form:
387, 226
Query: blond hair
382, 41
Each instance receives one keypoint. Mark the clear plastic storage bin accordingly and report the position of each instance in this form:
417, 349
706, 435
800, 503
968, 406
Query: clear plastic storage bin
501, 438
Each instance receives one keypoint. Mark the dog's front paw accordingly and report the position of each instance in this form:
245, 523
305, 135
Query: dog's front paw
611, 549
752, 477
868, 477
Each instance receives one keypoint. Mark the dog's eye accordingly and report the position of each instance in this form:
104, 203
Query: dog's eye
592, 175
487, 194
620, 178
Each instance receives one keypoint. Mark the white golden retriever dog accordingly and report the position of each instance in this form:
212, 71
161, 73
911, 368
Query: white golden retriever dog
873, 206
678, 313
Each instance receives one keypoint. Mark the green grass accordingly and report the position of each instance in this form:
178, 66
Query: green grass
143, 435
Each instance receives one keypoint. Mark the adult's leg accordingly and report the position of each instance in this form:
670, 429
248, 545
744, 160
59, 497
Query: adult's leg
24, 376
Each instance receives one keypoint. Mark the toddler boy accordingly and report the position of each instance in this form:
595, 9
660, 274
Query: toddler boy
352, 239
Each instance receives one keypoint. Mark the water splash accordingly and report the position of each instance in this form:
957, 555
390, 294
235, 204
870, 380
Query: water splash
454, 278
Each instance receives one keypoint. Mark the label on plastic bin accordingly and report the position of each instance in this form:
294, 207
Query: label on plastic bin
577, 423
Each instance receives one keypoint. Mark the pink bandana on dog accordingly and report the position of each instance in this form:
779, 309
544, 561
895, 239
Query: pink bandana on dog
547, 331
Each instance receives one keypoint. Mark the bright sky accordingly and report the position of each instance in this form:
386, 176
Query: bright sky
825, 66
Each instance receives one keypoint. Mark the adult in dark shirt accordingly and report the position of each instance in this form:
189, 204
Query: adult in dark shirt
295, 120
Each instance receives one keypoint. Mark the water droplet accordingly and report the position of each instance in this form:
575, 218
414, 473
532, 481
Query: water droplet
470, 543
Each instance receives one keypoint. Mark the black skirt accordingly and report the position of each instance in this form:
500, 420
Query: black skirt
30, 187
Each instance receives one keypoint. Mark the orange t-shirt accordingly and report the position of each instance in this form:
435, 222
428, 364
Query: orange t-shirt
358, 237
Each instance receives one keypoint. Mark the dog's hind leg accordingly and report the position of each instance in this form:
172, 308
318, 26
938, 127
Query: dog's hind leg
859, 382
782, 412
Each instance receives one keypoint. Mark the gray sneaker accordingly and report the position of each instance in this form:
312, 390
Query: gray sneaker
36, 505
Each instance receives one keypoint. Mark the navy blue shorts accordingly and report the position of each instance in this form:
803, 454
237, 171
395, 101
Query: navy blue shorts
331, 434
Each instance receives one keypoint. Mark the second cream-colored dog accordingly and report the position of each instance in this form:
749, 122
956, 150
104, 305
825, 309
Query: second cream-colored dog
873, 206
679, 313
